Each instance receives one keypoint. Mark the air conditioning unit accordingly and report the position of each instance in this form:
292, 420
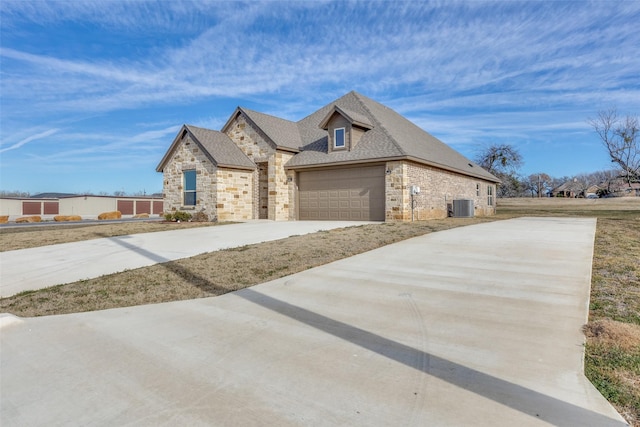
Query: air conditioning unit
463, 208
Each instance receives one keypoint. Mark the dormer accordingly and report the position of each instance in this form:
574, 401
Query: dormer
344, 128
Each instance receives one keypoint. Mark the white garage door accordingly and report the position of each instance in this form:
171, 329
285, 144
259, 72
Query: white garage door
342, 194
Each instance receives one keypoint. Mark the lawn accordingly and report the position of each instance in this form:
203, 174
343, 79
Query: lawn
612, 356
34, 235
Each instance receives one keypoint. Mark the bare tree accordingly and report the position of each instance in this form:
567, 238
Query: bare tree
537, 184
16, 193
620, 136
500, 159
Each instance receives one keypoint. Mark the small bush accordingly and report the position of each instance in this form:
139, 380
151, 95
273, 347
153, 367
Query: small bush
200, 217
178, 216
110, 215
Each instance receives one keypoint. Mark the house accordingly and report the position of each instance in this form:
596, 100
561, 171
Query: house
353, 159
569, 189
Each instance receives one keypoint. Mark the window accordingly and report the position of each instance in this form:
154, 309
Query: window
478, 190
490, 195
338, 138
189, 186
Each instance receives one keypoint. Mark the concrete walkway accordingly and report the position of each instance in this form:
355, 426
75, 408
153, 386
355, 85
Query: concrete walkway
37, 268
475, 326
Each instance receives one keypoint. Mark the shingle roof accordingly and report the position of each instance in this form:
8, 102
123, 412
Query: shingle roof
220, 149
392, 136
353, 117
283, 134
223, 150
389, 136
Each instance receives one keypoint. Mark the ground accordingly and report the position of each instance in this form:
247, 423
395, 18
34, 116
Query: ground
612, 359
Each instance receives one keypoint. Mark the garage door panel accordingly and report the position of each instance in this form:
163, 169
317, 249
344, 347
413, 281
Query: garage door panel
345, 194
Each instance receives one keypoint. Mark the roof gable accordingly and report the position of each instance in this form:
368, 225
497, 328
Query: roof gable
280, 133
217, 146
352, 117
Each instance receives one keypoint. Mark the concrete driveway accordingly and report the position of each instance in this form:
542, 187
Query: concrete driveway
475, 326
37, 268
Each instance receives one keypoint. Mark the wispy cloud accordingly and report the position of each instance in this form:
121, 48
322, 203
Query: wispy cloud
465, 71
29, 139
434, 50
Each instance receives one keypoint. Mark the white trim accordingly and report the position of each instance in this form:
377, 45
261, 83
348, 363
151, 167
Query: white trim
344, 138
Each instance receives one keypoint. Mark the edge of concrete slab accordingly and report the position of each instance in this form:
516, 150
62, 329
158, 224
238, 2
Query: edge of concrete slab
8, 319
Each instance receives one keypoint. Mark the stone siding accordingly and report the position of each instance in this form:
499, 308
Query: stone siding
188, 156
235, 195
292, 178
255, 145
280, 202
250, 140
438, 189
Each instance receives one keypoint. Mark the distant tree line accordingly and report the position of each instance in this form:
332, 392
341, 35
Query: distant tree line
619, 135
504, 161
118, 193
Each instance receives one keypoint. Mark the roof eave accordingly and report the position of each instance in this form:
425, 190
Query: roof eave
233, 116
167, 155
241, 167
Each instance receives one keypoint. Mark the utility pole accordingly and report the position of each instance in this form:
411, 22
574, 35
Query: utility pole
539, 187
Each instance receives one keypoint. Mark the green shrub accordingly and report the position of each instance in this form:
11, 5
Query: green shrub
178, 216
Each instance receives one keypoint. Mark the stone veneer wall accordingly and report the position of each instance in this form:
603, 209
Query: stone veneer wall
188, 156
437, 189
250, 140
235, 194
254, 144
292, 178
280, 200
395, 189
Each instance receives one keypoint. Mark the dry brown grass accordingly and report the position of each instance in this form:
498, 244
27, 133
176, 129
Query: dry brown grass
612, 333
551, 203
25, 237
219, 272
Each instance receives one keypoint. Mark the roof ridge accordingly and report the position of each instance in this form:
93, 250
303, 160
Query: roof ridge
200, 127
265, 114
359, 97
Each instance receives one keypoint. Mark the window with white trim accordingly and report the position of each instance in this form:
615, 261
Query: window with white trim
338, 138
189, 185
478, 190
490, 195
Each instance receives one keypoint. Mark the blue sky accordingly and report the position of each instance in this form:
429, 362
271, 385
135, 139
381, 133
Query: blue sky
93, 93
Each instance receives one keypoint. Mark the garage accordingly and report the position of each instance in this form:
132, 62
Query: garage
342, 194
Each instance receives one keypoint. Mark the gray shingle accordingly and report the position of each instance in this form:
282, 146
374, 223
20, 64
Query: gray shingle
221, 149
392, 136
283, 133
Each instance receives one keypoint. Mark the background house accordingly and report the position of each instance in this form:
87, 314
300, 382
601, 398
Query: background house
353, 159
